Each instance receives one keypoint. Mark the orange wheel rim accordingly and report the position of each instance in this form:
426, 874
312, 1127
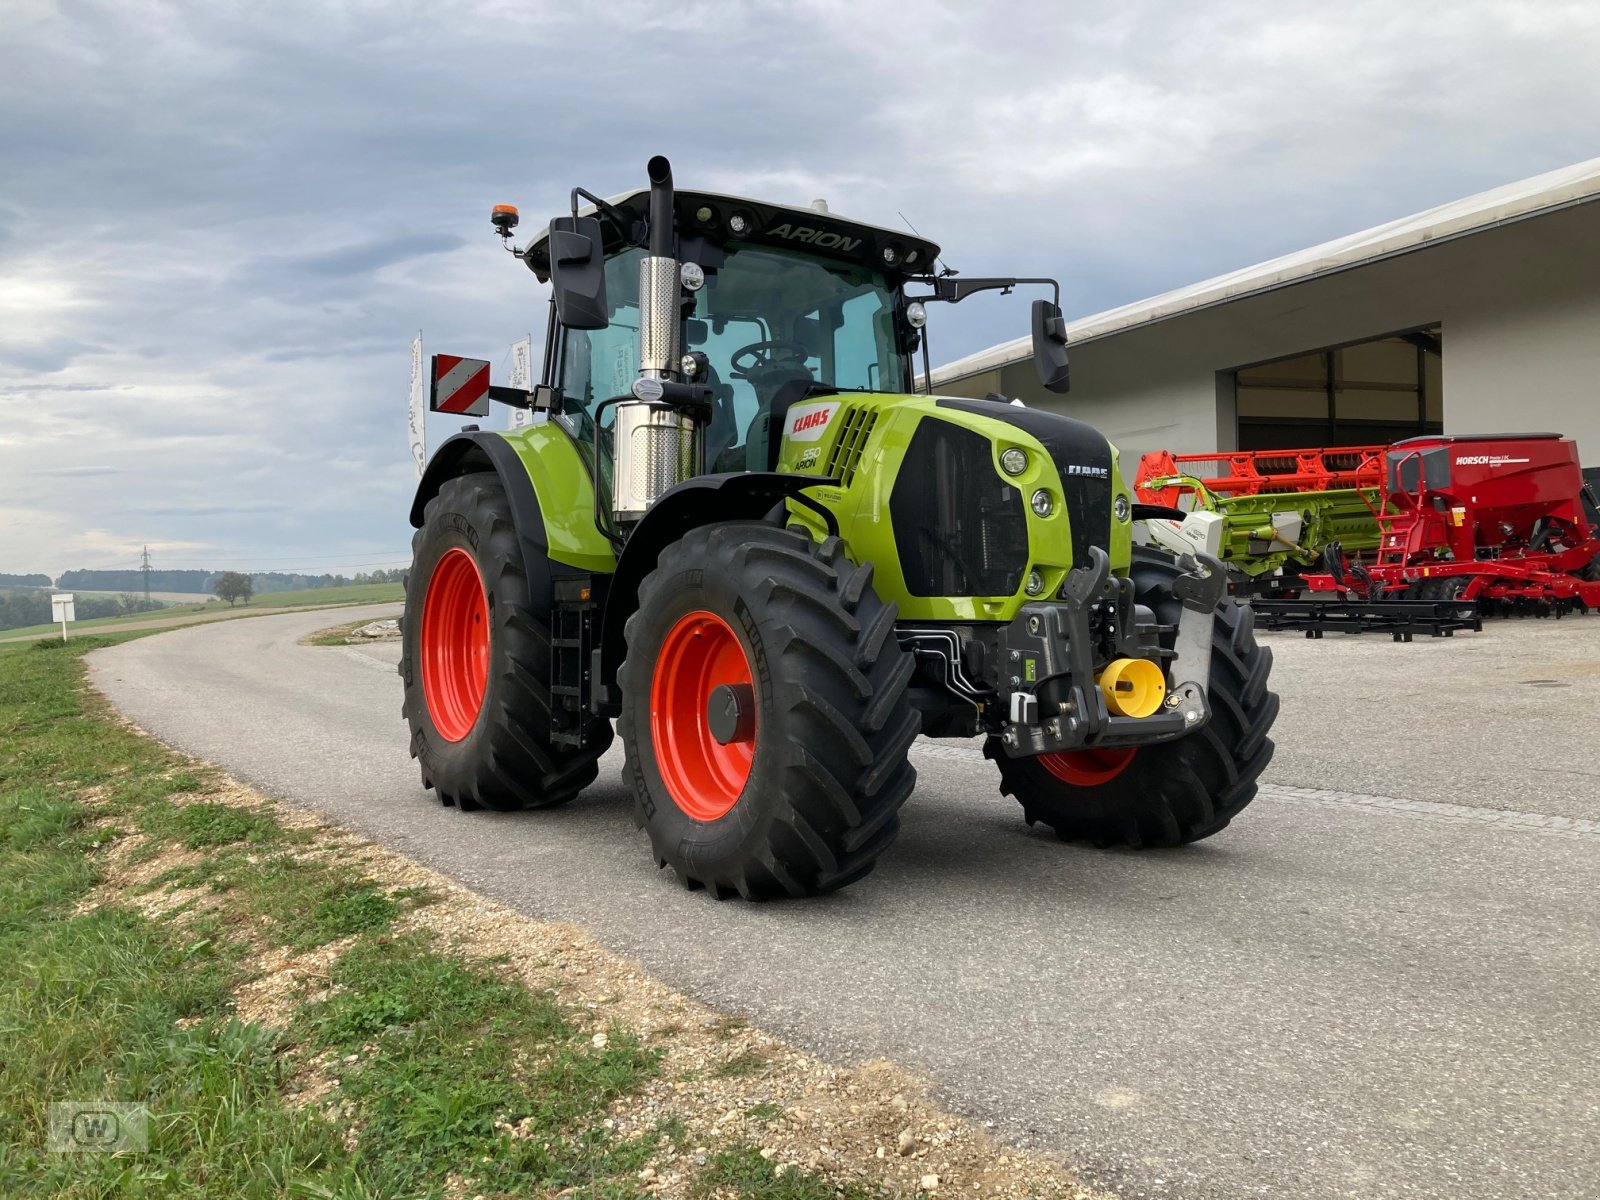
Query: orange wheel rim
1088, 768
704, 776
455, 645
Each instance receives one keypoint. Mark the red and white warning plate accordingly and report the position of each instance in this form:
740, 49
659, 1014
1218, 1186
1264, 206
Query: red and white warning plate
460, 385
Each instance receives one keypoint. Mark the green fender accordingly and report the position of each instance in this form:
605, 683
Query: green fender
547, 479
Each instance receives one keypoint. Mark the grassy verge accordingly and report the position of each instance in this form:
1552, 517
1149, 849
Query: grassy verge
306, 1014
339, 635
135, 912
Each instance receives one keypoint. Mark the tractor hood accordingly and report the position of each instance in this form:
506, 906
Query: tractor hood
1082, 455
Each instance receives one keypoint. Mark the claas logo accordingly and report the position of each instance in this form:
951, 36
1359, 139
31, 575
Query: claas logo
811, 420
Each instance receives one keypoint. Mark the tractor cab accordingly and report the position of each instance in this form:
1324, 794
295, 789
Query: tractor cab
780, 304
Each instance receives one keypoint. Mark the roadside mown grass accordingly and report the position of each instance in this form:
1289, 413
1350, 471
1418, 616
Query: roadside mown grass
307, 1014
432, 1073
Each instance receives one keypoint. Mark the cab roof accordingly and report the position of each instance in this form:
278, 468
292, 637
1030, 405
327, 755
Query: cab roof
712, 217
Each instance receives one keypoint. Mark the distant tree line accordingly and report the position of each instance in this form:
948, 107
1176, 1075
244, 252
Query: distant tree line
133, 581
203, 583
28, 581
21, 608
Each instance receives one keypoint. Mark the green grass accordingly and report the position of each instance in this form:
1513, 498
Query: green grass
741, 1065
364, 593
456, 1068
355, 593
337, 635
742, 1171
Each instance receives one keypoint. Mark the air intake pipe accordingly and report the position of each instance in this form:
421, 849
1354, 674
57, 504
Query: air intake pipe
657, 444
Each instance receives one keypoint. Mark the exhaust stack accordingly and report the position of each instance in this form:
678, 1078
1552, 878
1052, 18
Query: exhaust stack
656, 446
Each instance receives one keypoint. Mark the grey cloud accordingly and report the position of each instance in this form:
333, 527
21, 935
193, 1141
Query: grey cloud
256, 209
81, 472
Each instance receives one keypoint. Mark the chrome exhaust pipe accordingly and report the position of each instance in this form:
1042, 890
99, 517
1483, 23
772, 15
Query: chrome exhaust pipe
657, 446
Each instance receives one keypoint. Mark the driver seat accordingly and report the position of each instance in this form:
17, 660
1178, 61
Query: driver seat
764, 439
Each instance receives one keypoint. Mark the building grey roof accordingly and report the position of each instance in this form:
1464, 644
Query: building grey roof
1473, 214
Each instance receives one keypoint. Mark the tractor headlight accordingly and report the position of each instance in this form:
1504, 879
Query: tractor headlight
1035, 583
1043, 503
1121, 509
1014, 461
916, 315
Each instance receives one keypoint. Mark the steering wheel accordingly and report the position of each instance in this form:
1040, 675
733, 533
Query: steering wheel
766, 354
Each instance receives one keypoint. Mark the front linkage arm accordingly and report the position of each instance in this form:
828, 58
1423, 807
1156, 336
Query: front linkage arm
1056, 636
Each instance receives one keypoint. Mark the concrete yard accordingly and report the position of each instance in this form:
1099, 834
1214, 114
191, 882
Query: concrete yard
1383, 980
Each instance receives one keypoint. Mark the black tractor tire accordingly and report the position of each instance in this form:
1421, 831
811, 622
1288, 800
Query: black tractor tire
503, 759
815, 798
1167, 793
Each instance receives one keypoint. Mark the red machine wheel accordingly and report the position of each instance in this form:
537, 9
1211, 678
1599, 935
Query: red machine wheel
1088, 768
455, 645
703, 776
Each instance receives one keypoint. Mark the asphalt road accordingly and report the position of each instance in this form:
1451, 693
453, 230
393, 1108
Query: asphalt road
1380, 981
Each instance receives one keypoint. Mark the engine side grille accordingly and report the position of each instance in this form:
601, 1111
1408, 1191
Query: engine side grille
855, 428
959, 527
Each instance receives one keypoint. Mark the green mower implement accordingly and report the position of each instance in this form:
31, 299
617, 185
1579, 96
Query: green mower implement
1269, 537
736, 530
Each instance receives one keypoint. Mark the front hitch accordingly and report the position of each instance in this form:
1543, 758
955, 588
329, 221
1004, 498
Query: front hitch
1053, 642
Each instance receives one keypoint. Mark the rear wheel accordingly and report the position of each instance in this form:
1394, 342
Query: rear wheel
1168, 793
765, 713
476, 660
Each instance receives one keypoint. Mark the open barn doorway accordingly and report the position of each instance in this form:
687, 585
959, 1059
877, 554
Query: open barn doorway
1359, 394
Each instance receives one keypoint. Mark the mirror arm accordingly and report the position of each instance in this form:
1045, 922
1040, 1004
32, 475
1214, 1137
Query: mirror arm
955, 290
606, 209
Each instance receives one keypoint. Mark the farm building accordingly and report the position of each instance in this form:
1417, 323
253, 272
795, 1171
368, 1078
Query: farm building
1479, 316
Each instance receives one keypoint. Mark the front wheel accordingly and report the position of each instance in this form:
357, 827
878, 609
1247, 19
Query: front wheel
765, 713
1167, 793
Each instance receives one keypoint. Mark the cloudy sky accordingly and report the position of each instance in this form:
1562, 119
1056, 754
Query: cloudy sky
221, 223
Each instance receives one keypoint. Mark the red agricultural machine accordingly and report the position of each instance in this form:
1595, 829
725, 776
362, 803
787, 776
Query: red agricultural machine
1423, 536
1496, 518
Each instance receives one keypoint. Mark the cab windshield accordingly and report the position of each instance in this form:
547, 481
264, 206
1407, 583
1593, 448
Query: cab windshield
772, 325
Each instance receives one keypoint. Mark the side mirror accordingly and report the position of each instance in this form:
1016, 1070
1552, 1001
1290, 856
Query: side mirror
1050, 346
578, 272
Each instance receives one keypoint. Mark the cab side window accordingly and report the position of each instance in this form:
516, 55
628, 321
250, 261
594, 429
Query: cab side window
597, 364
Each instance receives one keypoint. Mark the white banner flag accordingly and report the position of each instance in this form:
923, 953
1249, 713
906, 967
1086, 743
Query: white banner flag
419, 404
521, 378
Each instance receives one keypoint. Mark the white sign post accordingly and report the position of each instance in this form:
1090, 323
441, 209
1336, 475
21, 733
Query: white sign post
419, 404
521, 373
62, 609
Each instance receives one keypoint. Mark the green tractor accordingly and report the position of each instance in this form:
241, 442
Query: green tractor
736, 528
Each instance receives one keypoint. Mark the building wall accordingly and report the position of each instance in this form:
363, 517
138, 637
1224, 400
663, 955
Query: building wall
1518, 306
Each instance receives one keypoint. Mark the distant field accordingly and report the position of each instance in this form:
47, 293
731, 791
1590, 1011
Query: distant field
355, 593
365, 593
